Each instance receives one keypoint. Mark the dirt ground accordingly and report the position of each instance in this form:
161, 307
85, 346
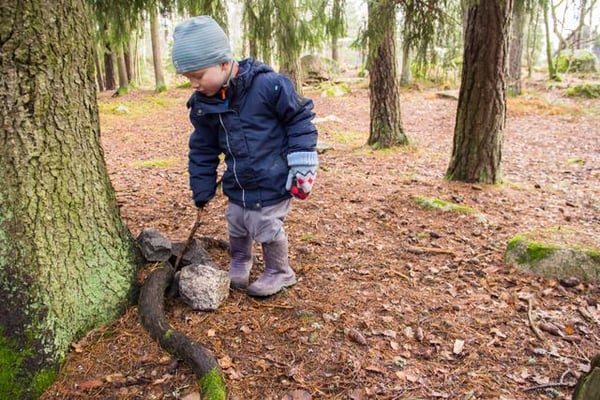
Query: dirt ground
394, 301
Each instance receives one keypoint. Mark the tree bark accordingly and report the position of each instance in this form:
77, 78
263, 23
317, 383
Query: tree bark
98, 65
159, 76
405, 77
67, 262
109, 70
122, 72
386, 123
516, 48
481, 114
552, 75
288, 42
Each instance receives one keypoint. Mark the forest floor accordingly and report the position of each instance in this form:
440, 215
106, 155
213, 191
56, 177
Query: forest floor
394, 301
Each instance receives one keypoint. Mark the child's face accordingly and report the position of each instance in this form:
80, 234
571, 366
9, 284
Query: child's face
209, 80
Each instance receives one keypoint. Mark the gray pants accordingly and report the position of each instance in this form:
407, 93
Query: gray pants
263, 226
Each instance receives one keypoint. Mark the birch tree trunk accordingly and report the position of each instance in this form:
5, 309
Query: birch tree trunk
67, 262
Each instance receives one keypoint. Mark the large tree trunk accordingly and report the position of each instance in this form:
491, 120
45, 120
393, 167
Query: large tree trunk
288, 42
516, 48
159, 76
481, 114
386, 122
67, 261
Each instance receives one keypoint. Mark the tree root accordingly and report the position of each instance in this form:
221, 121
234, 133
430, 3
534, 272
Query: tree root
202, 361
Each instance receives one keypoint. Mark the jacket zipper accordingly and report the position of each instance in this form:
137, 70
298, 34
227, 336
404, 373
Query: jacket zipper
234, 161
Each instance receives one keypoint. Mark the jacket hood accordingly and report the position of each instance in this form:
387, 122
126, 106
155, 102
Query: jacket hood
248, 69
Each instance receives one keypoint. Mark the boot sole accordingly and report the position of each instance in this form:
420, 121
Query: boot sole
265, 293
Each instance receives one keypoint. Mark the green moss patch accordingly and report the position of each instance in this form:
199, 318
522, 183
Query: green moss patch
438, 204
586, 90
213, 386
15, 382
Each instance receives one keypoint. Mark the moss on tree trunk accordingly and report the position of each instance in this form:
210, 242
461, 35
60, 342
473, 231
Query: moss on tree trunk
67, 262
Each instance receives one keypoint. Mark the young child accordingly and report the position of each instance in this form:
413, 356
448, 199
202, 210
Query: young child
253, 116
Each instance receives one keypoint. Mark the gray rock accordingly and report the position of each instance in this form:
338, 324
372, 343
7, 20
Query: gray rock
195, 254
155, 247
557, 255
203, 287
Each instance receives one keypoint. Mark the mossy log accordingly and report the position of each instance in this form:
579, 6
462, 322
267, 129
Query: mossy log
202, 361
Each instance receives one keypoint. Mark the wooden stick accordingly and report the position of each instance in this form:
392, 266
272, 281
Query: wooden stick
531, 323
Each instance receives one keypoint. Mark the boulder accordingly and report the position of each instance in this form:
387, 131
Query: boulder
579, 60
317, 69
203, 287
154, 246
555, 252
195, 254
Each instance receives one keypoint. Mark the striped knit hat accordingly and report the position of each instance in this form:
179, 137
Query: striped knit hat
199, 43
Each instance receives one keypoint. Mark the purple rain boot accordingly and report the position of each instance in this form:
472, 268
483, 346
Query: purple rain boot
278, 273
241, 261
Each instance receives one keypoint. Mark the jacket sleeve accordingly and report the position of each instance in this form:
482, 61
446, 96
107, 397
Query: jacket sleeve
203, 159
295, 112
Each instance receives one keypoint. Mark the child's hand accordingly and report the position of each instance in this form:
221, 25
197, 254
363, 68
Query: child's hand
301, 180
303, 172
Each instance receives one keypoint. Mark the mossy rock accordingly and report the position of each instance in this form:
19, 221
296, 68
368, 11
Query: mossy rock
438, 204
555, 252
588, 386
587, 90
576, 61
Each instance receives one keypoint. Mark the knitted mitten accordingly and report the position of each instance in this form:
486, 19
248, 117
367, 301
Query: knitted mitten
303, 172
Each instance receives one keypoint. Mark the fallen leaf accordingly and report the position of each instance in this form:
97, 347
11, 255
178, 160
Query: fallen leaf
375, 368
245, 329
297, 395
225, 362
458, 346
355, 336
211, 333
114, 378
77, 348
162, 380
550, 328
569, 330
191, 396
93, 384
357, 394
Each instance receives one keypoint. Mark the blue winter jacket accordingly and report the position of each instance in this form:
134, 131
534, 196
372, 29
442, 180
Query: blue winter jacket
261, 120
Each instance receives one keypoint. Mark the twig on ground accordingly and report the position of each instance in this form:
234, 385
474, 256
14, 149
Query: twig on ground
534, 328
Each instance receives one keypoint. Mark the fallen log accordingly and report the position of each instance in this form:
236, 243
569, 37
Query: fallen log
202, 361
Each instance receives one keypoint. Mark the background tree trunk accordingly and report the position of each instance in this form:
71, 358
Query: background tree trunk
122, 72
109, 70
552, 75
386, 122
98, 65
159, 76
516, 48
288, 43
66, 259
481, 114
405, 74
